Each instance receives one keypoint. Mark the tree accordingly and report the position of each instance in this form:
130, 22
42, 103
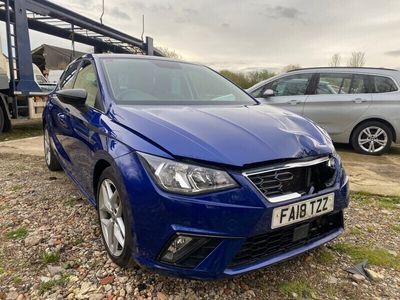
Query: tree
257, 76
290, 68
335, 60
246, 80
357, 59
237, 77
170, 53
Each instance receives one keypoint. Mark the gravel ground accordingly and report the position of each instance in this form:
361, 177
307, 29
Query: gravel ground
50, 248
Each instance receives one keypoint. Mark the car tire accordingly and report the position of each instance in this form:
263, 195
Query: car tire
372, 138
114, 218
49, 156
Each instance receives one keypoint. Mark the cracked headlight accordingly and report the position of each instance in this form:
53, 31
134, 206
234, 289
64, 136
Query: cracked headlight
184, 178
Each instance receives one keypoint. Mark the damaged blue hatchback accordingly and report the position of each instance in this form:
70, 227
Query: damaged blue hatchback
189, 174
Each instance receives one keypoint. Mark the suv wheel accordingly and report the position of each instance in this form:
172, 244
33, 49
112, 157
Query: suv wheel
372, 138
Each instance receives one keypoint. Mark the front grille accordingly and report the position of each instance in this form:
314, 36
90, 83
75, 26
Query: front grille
306, 179
284, 239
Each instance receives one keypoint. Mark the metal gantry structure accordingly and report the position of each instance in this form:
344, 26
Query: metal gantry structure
49, 18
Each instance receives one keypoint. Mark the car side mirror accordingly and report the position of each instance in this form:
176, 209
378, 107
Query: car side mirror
268, 93
75, 97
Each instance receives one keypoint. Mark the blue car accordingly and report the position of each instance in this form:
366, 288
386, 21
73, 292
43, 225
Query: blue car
189, 174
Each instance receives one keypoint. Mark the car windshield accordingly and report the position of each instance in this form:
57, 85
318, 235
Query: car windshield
159, 82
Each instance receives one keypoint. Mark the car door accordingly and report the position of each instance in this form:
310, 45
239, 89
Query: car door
86, 123
60, 130
289, 92
338, 102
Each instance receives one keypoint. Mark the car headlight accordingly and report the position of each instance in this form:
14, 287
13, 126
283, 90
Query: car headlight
184, 178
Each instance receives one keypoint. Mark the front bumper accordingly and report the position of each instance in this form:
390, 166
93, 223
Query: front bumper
232, 217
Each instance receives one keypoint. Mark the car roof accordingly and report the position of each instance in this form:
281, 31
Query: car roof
369, 70
357, 70
343, 68
134, 56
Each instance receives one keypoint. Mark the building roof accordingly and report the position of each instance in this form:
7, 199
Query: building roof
53, 57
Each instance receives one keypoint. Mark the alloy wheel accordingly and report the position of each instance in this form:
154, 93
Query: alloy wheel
111, 217
372, 139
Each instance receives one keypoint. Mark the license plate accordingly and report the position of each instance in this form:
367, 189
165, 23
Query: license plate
300, 211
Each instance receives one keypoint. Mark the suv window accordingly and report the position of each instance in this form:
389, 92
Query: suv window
86, 79
290, 85
333, 84
68, 77
330, 83
383, 84
359, 84
258, 92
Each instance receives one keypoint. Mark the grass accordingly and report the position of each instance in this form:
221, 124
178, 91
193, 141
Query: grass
382, 202
375, 256
300, 287
370, 228
355, 231
51, 257
48, 285
17, 280
69, 265
1, 270
71, 201
20, 131
17, 234
17, 188
324, 257
396, 227
78, 241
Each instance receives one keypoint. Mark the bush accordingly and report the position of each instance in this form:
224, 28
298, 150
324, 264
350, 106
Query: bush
246, 80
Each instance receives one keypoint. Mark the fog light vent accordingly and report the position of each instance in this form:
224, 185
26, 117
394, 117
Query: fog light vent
188, 251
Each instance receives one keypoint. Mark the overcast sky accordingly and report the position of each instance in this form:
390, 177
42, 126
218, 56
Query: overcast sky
248, 34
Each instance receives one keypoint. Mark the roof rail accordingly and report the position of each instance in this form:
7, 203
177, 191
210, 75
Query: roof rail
318, 68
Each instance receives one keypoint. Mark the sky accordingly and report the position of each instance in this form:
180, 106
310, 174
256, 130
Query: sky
254, 34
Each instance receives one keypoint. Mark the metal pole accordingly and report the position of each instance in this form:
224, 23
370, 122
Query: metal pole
149, 46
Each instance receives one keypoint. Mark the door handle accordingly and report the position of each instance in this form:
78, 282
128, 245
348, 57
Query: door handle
293, 102
359, 100
62, 119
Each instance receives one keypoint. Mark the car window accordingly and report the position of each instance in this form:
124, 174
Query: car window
258, 92
383, 84
86, 79
40, 79
359, 84
330, 83
68, 77
333, 84
161, 82
290, 85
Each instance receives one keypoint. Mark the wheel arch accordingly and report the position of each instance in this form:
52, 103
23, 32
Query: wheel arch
392, 130
99, 167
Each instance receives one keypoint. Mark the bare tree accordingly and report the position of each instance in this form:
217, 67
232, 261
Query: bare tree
335, 60
357, 59
170, 53
290, 68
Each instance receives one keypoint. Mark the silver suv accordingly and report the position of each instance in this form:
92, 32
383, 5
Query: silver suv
360, 106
